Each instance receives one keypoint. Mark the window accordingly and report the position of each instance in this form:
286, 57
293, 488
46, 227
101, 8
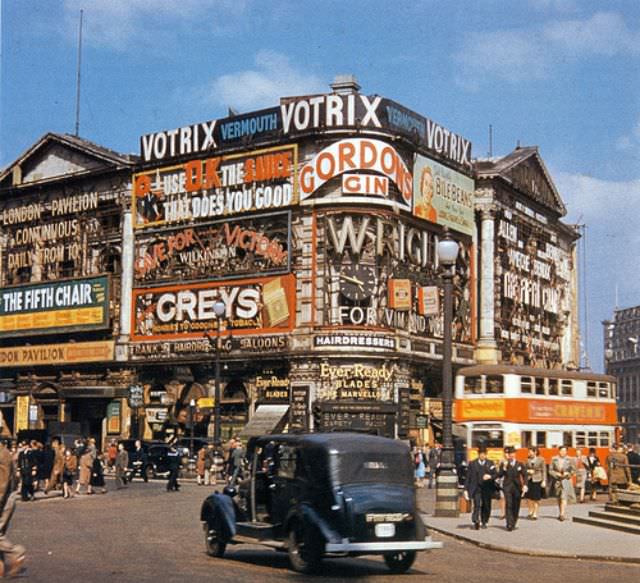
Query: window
526, 438
286, 462
541, 438
539, 382
603, 390
592, 438
494, 384
554, 387
487, 438
591, 389
472, 385
581, 439
567, 388
526, 385
567, 438
605, 438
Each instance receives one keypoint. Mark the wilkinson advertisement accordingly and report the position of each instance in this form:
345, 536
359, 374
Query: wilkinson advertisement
229, 248
253, 306
81, 304
201, 190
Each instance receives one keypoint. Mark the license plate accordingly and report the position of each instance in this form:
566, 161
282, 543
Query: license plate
385, 530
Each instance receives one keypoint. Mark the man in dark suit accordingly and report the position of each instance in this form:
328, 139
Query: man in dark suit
514, 486
480, 486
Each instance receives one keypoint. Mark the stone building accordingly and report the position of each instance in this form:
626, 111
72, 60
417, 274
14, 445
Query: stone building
62, 231
622, 360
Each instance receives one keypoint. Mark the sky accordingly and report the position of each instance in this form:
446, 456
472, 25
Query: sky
563, 75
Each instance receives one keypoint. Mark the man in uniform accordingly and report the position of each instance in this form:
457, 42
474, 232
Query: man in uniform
479, 487
173, 459
13, 555
514, 486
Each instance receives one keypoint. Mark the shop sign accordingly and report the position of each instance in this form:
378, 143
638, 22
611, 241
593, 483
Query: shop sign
356, 381
443, 196
299, 408
156, 414
113, 417
272, 388
355, 340
421, 421
378, 417
358, 154
72, 305
254, 306
404, 412
136, 396
202, 190
218, 250
72, 352
211, 135
33, 413
22, 412
45, 233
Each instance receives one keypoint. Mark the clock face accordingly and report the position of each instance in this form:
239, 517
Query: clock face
357, 281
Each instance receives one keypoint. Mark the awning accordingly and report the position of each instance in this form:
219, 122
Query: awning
266, 419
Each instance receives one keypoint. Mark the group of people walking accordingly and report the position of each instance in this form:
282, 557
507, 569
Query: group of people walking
221, 464
511, 480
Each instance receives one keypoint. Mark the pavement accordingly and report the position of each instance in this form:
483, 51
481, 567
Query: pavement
546, 536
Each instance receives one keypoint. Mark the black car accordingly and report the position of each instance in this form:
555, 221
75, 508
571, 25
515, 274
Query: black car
323, 494
157, 463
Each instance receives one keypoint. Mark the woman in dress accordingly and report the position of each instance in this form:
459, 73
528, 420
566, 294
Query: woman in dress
537, 481
421, 467
562, 470
581, 474
594, 476
70, 467
201, 465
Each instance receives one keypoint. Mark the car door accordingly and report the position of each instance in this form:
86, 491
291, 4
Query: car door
284, 487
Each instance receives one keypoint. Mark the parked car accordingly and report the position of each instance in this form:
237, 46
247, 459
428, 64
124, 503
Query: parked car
323, 494
157, 464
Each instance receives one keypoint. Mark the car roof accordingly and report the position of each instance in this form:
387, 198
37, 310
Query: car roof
340, 442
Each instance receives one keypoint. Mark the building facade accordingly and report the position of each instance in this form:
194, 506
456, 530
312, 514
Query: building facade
316, 223
622, 360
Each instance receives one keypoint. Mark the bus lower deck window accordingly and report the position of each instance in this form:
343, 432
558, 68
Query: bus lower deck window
567, 438
605, 440
541, 438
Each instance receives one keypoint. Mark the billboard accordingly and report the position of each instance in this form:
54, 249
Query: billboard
55, 307
71, 353
442, 196
253, 306
205, 189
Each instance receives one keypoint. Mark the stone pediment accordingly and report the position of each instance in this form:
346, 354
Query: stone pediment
525, 170
59, 155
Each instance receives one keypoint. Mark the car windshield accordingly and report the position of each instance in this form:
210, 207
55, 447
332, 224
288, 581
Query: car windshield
372, 467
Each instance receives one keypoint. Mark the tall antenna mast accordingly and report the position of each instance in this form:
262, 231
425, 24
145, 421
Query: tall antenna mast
490, 141
78, 77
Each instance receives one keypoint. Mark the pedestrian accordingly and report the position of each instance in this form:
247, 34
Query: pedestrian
537, 481
68, 473
562, 470
42, 472
28, 472
86, 466
237, 459
596, 474
499, 495
435, 455
633, 455
479, 487
420, 466
209, 465
201, 466
112, 453
514, 485
138, 461
218, 463
57, 468
173, 458
619, 474
97, 474
230, 448
121, 466
581, 474
13, 556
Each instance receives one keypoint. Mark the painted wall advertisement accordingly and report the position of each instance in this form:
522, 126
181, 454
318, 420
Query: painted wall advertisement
356, 382
81, 304
202, 190
253, 306
443, 196
534, 292
229, 248
42, 354
113, 417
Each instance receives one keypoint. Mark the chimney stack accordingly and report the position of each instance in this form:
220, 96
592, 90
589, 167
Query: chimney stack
345, 85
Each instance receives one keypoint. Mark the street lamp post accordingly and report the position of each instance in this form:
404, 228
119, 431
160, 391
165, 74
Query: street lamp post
219, 308
192, 406
447, 482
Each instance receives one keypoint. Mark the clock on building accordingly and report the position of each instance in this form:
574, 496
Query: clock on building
357, 281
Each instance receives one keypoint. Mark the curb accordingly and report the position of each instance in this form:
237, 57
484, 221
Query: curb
534, 553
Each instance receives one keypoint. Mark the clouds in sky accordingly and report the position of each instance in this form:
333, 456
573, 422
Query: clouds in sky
531, 53
274, 76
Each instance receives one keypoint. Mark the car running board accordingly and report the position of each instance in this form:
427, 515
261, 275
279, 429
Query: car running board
249, 540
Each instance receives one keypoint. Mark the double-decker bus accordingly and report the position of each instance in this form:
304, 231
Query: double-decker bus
498, 406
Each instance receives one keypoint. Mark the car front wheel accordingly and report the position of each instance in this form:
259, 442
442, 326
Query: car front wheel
214, 546
304, 548
400, 561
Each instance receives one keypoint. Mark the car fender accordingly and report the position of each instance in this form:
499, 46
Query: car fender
219, 513
310, 517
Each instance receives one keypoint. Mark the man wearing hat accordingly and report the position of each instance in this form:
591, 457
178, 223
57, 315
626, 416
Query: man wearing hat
13, 554
480, 486
514, 486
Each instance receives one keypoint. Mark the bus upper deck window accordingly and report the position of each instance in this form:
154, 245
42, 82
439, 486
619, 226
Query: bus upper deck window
567, 388
539, 382
553, 387
603, 390
591, 389
526, 385
494, 384
472, 385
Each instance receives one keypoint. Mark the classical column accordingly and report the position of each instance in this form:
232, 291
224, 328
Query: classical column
487, 349
126, 284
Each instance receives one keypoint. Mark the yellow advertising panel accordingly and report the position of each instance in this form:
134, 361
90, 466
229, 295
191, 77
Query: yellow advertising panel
22, 412
57, 353
481, 408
